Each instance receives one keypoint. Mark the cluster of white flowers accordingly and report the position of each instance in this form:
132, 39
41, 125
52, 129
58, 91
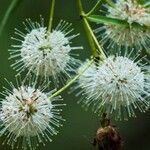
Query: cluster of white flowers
29, 116
43, 52
117, 35
116, 86
131, 11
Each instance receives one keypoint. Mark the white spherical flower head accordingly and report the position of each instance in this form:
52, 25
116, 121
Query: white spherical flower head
29, 117
45, 53
131, 11
117, 86
117, 36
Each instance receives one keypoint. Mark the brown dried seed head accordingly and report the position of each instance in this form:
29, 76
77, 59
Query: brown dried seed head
108, 138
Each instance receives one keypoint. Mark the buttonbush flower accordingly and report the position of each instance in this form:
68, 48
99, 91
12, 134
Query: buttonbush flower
116, 86
29, 117
117, 35
45, 53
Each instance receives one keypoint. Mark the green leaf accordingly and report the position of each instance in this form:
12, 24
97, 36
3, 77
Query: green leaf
110, 3
142, 2
113, 21
147, 5
11, 8
110, 21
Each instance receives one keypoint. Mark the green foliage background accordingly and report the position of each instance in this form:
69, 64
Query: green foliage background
80, 126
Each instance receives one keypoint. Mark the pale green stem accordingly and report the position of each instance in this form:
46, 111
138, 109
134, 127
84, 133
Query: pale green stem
147, 5
110, 2
51, 15
141, 2
114, 21
94, 8
7, 14
72, 80
102, 54
92, 39
91, 42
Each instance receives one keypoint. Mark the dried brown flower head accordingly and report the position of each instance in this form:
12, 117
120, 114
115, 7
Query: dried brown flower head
107, 137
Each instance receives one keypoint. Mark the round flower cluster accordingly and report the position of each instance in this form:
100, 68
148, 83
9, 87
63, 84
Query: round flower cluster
116, 86
29, 116
131, 11
131, 36
43, 52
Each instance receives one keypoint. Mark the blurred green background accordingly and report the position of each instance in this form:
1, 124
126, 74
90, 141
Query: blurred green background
80, 125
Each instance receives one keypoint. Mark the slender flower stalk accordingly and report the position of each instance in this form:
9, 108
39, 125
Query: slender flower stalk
94, 8
100, 51
73, 79
51, 15
91, 36
147, 5
141, 1
7, 14
110, 3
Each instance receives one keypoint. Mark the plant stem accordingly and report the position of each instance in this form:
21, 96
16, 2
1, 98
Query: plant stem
110, 2
116, 22
92, 39
141, 2
51, 15
147, 5
102, 54
7, 14
91, 42
94, 8
72, 80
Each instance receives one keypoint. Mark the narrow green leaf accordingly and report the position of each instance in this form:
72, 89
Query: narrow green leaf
110, 3
141, 2
10, 9
113, 21
147, 5
110, 21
